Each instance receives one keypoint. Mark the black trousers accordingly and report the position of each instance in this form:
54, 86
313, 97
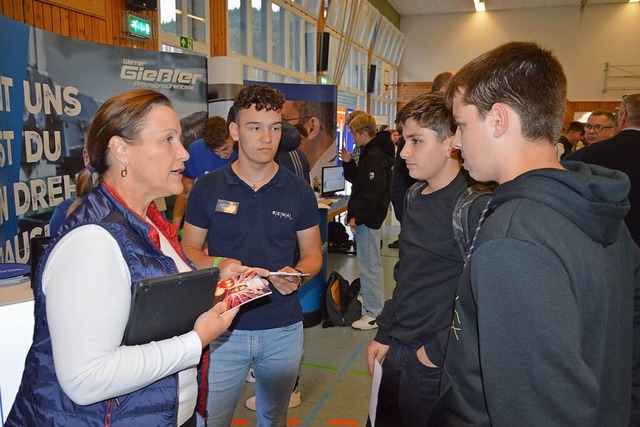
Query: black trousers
408, 390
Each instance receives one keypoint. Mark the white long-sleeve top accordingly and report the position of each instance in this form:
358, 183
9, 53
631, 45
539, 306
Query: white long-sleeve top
88, 288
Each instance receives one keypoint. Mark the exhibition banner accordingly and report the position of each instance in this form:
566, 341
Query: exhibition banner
50, 87
313, 109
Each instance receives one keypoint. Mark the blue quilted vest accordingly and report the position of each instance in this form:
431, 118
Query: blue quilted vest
40, 400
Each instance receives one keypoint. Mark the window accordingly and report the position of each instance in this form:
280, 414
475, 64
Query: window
277, 39
237, 28
259, 45
188, 18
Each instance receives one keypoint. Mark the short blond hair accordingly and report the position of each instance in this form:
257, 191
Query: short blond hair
363, 122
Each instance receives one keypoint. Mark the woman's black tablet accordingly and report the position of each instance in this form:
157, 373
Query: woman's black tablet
167, 306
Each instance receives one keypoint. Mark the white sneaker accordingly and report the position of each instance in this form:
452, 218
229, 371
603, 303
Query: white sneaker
365, 323
294, 401
251, 378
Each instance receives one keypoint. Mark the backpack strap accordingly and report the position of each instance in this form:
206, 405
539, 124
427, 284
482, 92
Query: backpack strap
412, 192
461, 229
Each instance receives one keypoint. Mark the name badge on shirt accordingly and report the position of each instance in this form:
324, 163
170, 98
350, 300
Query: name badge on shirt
227, 206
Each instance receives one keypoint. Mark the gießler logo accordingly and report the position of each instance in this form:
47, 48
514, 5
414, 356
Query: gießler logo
162, 78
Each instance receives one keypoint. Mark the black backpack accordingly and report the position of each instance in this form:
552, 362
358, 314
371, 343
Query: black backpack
340, 304
461, 227
337, 236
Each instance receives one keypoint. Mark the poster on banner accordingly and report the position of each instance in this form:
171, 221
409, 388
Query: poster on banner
313, 110
50, 87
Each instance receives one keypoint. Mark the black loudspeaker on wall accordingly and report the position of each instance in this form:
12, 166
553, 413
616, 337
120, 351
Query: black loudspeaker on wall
371, 78
323, 51
141, 4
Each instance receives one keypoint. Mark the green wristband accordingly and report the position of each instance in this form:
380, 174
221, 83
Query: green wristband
217, 261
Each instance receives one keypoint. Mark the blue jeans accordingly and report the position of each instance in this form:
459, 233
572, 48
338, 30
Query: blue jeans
370, 266
408, 390
275, 356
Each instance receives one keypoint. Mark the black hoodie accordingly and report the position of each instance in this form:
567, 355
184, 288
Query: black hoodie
543, 326
371, 180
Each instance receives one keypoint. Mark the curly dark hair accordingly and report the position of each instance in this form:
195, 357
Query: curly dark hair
262, 97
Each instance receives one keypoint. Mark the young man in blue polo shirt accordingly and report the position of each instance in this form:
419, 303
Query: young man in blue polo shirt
254, 211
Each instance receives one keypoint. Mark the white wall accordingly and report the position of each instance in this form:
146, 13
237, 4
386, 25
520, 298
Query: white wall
607, 33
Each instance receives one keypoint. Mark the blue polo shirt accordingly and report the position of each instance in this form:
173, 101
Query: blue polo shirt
257, 228
202, 160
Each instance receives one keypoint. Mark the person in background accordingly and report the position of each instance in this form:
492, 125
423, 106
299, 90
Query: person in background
355, 155
317, 124
543, 328
367, 209
395, 136
401, 180
214, 150
257, 212
193, 127
568, 142
414, 324
600, 125
77, 371
289, 153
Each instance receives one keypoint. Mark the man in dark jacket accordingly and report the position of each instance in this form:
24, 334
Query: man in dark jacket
543, 328
622, 152
367, 209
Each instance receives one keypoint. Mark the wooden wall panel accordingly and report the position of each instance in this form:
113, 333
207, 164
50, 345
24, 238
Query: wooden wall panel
591, 106
408, 91
27, 9
98, 21
87, 7
218, 27
64, 22
73, 25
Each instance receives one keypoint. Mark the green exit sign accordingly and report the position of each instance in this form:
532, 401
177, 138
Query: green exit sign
324, 80
186, 42
139, 27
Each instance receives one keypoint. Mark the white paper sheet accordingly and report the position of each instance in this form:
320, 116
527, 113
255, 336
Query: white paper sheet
375, 386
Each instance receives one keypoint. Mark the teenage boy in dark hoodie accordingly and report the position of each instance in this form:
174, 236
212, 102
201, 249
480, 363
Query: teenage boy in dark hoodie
367, 208
544, 317
414, 324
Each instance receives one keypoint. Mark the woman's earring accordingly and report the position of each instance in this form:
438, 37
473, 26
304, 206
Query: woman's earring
123, 172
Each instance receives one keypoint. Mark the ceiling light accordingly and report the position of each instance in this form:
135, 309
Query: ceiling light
479, 6
634, 1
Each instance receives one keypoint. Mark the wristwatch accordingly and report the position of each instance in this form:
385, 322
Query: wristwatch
302, 278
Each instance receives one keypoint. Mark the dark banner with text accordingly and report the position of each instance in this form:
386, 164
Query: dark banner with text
50, 88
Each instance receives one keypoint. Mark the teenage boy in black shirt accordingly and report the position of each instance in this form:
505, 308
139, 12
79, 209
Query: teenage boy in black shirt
414, 324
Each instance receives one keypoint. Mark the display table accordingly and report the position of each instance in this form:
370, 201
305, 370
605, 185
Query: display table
16, 334
310, 294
